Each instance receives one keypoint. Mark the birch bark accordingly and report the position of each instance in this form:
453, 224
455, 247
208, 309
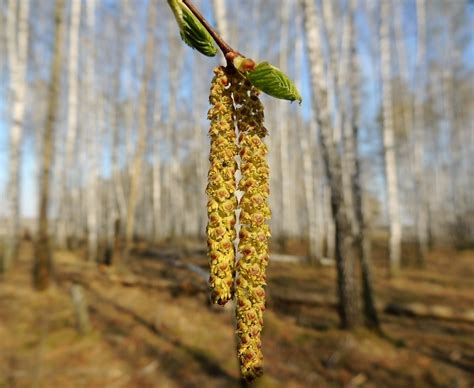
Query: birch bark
71, 125
221, 18
389, 141
120, 207
142, 130
306, 145
361, 228
17, 44
43, 262
348, 301
91, 138
283, 128
157, 189
418, 146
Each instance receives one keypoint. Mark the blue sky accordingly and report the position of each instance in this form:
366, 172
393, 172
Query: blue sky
371, 106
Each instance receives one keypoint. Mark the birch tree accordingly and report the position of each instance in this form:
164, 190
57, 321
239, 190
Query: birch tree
92, 137
119, 209
157, 188
360, 227
71, 125
142, 128
389, 140
221, 17
287, 215
418, 138
157, 165
17, 43
43, 259
173, 194
306, 140
348, 306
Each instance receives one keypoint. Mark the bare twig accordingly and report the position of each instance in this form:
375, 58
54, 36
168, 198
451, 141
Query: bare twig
228, 51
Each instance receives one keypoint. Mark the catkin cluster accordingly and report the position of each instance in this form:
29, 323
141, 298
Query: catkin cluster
222, 202
235, 102
254, 231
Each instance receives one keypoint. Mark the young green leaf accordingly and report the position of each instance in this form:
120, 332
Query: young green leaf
272, 81
192, 31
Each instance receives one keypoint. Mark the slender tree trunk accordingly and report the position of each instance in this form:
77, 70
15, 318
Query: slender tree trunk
345, 120
364, 247
407, 116
419, 140
119, 191
330, 224
18, 58
102, 199
314, 232
305, 141
43, 260
330, 28
157, 189
142, 130
408, 102
221, 18
92, 140
361, 227
363, 238
174, 195
199, 136
345, 252
71, 126
119, 204
389, 141
283, 119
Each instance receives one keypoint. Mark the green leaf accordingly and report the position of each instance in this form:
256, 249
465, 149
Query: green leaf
272, 81
192, 31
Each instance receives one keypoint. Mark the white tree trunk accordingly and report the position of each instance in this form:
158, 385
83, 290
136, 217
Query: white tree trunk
157, 197
92, 138
283, 119
143, 130
389, 141
17, 43
402, 61
418, 138
42, 256
174, 194
221, 18
306, 142
344, 118
71, 126
331, 29
360, 227
344, 247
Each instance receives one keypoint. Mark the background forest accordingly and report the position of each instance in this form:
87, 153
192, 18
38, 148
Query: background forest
104, 157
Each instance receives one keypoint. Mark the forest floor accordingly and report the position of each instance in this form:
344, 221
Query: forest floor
152, 326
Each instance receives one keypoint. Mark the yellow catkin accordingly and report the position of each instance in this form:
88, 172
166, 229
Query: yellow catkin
221, 188
254, 232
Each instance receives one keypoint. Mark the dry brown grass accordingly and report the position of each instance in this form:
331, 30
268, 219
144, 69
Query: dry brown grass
147, 336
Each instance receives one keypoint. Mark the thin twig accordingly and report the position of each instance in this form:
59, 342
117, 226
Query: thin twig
225, 48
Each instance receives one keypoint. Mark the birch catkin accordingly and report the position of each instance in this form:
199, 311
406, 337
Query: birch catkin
254, 232
221, 188
235, 105
235, 102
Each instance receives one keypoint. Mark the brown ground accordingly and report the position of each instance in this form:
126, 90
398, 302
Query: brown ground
153, 327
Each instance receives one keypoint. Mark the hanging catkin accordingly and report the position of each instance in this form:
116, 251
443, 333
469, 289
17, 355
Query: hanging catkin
221, 188
235, 105
254, 232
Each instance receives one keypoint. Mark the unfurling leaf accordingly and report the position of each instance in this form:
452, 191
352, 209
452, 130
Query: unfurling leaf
192, 31
272, 81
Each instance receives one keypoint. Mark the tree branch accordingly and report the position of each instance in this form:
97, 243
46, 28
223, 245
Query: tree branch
224, 47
